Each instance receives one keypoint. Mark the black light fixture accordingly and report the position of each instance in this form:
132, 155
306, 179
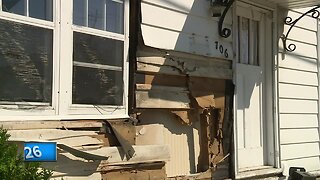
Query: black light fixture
218, 11
216, 7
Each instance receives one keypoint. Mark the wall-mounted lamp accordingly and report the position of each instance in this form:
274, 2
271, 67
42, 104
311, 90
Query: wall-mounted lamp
216, 8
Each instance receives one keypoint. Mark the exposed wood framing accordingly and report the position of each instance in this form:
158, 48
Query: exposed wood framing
194, 88
153, 65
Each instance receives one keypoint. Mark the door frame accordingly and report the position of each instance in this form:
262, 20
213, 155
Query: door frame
270, 114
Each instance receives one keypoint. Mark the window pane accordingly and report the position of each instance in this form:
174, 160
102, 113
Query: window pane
80, 12
115, 16
99, 14
14, 6
255, 41
244, 40
40, 9
96, 13
97, 50
25, 63
97, 86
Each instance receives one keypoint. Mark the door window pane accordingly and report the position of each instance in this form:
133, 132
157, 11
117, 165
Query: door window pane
255, 43
40, 9
244, 40
97, 50
25, 63
248, 38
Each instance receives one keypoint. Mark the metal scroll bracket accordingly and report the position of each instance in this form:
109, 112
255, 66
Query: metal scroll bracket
224, 32
314, 13
217, 6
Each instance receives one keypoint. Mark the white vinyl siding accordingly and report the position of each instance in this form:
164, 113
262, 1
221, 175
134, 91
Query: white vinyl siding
186, 26
299, 96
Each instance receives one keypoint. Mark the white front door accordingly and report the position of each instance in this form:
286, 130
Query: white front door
249, 79
249, 115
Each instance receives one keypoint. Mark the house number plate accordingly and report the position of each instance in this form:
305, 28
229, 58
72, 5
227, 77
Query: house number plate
40, 151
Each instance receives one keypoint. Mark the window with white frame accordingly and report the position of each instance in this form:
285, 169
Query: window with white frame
26, 54
62, 57
248, 39
97, 60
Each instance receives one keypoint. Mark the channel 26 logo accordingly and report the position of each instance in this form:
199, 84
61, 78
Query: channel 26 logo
40, 151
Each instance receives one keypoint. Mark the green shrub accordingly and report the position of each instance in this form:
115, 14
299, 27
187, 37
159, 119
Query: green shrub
12, 165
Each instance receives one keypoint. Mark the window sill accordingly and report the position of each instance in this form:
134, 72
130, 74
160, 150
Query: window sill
262, 172
62, 117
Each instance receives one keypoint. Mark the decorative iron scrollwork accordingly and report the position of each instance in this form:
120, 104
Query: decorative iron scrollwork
314, 12
224, 32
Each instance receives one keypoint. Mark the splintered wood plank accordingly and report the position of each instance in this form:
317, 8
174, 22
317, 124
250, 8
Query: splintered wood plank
78, 142
144, 171
197, 71
147, 87
143, 154
145, 51
211, 72
162, 99
161, 79
143, 67
180, 61
46, 134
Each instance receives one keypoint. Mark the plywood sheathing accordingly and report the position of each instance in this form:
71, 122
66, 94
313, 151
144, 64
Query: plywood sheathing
151, 134
182, 140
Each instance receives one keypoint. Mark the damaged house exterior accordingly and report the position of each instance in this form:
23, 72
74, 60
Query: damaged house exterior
164, 89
